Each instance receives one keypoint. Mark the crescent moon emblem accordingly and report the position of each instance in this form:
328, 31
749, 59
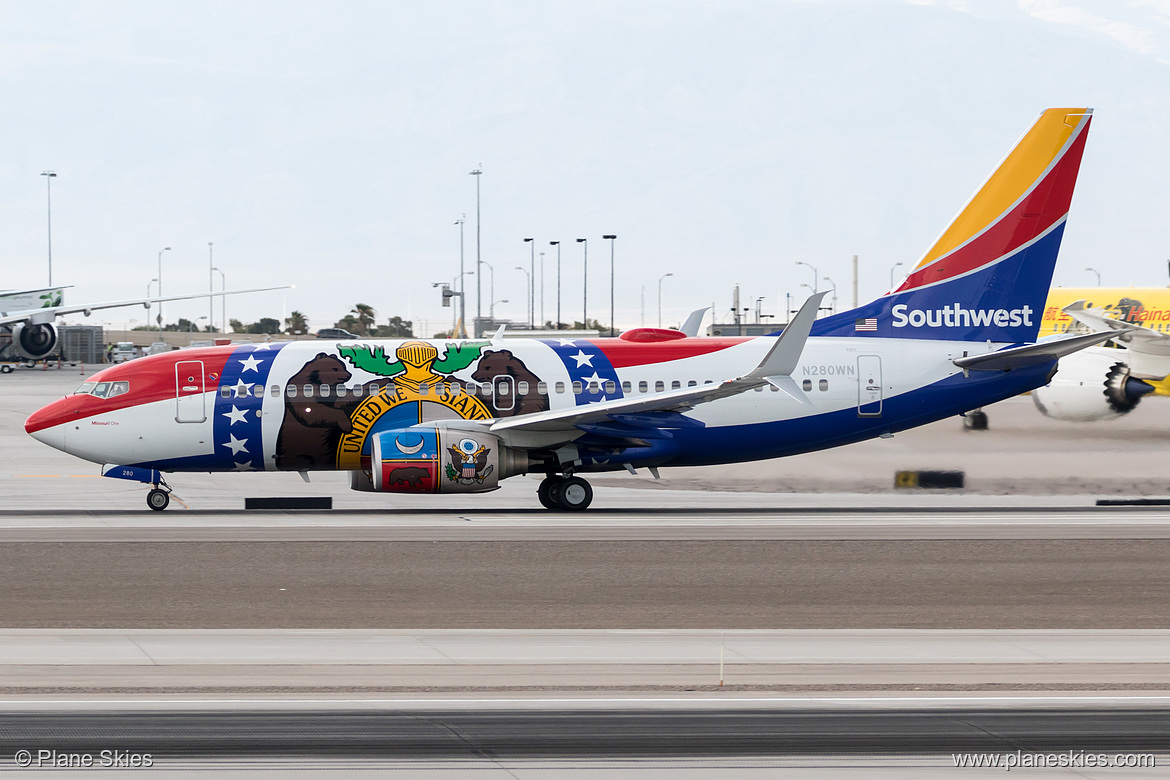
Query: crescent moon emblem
408, 450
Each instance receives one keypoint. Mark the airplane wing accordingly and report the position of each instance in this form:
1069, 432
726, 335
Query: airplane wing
776, 369
47, 315
1136, 336
14, 293
1031, 354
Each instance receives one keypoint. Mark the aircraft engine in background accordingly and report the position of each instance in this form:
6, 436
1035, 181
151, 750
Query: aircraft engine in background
1091, 385
438, 460
34, 341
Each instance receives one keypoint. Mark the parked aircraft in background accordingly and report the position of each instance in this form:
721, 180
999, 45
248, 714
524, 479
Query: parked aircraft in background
1108, 381
30, 314
458, 416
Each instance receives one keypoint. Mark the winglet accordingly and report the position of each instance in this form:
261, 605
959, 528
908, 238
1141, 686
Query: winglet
499, 336
781, 360
694, 320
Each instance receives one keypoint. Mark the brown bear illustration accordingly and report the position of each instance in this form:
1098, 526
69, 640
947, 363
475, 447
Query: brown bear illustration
501, 362
312, 427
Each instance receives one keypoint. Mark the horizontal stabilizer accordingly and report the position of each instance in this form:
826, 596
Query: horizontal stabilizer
1031, 354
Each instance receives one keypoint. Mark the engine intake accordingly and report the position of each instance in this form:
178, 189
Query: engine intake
441, 460
34, 342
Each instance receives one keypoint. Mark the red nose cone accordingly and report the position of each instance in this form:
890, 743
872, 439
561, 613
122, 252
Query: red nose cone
49, 416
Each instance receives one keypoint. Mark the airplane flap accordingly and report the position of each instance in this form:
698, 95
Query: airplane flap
1031, 354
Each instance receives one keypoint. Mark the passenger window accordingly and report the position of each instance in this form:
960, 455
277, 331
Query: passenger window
707, 382
806, 384
560, 387
291, 391
643, 387
823, 384
358, 391
324, 391
626, 387
307, 391
659, 386
542, 388
274, 391
257, 391
521, 388
577, 388
454, 388
593, 388
424, 389
225, 392
610, 386
339, 391
486, 388
691, 383
675, 385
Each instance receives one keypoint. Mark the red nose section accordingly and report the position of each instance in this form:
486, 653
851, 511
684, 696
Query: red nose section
50, 416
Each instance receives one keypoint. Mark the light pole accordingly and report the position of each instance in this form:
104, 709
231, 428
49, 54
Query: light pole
660, 297
531, 280
833, 310
612, 327
542, 289
477, 173
895, 268
222, 298
528, 291
160, 316
49, 176
462, 273
210, 286
492, 310
557, 244
1094, 270
814, 270
759, 308
491, 287
585, 286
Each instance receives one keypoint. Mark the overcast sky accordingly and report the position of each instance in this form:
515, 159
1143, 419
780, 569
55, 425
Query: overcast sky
328, 145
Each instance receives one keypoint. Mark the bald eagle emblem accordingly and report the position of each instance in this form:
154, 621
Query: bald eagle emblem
468, 464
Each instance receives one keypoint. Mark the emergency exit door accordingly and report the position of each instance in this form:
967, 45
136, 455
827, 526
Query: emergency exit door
869, 386
189, 399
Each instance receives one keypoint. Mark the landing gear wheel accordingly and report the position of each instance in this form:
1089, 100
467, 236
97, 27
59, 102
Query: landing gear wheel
158, 500
975, 420
575, 495
549, 492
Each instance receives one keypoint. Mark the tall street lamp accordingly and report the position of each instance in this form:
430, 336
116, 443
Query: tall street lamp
660, 297
557, 244
895, 268
491, 287
160, 316
612, 327
528, 291
1095, 271
833, 310
532, 280
49, 176
462, 273
477, 173
222, 298
210, 287
542, 289
585, 288
814, 270
492, 310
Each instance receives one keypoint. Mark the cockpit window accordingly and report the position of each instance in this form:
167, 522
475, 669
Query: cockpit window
103, 389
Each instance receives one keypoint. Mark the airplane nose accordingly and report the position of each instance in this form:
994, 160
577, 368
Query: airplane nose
47, 424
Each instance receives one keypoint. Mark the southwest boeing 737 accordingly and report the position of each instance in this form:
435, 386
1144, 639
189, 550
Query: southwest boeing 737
458, 416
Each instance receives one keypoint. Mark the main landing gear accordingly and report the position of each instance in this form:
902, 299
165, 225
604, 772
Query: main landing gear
571, 494
159, 498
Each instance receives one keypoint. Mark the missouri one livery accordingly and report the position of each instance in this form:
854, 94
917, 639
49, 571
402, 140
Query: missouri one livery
414, 416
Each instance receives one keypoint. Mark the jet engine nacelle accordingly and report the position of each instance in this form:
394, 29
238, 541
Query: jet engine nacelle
34, 342
1089, 386
439, 460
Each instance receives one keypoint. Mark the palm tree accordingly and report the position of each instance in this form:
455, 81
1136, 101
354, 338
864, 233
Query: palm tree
296, 323
365, 318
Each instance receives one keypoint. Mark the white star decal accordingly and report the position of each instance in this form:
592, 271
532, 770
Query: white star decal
242, 389
236, 445
244, 466
236, 415
599, 400
583, 359
262, 345
250, 363
567, 342
594, 378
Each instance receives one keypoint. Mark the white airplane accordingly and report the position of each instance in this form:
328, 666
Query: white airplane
458, 416
29, 315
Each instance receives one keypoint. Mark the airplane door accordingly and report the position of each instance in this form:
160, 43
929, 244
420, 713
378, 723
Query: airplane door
189, 399
869, 386
504, 393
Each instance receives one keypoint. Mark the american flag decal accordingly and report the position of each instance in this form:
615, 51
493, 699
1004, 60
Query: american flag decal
867, 324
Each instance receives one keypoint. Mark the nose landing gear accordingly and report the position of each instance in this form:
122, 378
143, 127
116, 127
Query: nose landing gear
158, 499
570, 494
